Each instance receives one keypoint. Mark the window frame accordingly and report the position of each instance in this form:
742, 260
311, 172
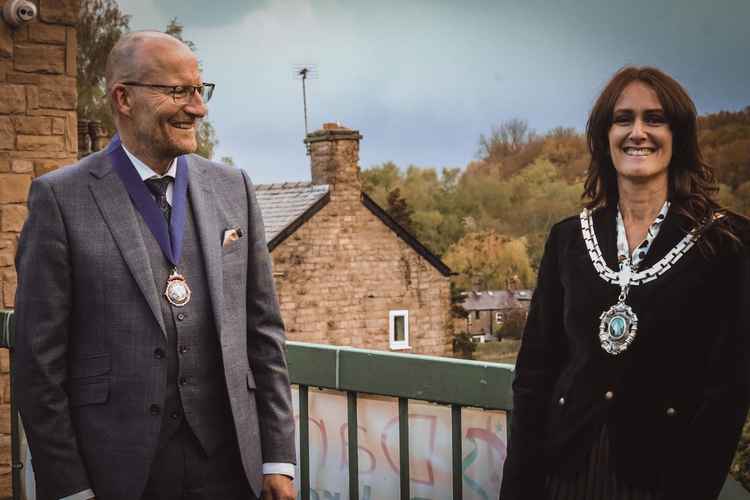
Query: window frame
398, 344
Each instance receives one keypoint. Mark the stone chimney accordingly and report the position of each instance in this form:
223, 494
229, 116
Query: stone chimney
334, 158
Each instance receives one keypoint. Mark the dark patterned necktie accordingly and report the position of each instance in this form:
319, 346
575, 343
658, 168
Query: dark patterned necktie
158, 186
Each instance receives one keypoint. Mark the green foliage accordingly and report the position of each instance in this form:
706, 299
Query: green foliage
463, 346
207, 140
175, 28
100, 25
399, 209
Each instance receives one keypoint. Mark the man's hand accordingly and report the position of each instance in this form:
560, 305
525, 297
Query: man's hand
278, 487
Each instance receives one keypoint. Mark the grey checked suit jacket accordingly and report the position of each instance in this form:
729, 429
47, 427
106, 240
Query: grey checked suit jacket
88, 314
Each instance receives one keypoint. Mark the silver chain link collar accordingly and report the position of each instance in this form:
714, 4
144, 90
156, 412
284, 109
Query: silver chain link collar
642, 276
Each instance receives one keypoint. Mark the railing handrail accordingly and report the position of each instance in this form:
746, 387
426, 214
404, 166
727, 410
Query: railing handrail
429, 378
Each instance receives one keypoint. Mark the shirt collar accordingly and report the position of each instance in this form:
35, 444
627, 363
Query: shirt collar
147, 172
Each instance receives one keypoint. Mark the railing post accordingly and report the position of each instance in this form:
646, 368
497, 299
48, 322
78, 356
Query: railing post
353, 445
7, 334
403, 446
456, 438
304, 443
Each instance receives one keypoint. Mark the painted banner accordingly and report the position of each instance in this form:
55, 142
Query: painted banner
484, 448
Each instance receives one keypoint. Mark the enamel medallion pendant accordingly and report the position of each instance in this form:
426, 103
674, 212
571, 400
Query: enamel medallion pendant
617, 328
178, 292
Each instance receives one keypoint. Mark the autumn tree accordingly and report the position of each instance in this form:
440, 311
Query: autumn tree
488, 260
505, 139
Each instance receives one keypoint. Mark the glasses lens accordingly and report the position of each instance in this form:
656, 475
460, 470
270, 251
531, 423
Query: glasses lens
180, 93
207, 91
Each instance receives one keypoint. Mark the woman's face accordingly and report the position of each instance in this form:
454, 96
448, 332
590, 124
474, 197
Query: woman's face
640, 138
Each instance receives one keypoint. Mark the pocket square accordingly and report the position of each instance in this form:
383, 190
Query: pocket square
230, 236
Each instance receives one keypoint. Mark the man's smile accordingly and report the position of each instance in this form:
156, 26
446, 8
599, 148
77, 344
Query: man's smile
183, 125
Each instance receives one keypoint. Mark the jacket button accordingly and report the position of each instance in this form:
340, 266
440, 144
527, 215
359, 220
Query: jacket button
183, 380
175, 415
159, 353
155, 409
671, 412
561, 401
609, 395
180, 316
184, 349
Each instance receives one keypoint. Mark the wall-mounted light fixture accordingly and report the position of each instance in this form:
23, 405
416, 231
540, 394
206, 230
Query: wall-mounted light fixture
18, 12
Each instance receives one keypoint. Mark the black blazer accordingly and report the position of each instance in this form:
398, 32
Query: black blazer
677, 397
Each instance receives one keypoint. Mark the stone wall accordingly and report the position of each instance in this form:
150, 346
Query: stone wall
38, 133
343, 270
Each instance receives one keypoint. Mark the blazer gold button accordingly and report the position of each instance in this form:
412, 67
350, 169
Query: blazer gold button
671, 412
609, 395
561, 401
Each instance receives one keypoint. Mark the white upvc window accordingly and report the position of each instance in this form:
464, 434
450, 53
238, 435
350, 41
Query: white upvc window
398, 329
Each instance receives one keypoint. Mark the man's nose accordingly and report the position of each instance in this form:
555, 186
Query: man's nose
196, 106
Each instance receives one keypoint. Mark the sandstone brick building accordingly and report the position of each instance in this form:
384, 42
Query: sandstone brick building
37, 134
346, 272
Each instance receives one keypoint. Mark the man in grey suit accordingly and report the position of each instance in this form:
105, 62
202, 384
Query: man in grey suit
150, 350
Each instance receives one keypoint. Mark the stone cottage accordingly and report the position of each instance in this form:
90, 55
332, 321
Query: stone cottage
346, 272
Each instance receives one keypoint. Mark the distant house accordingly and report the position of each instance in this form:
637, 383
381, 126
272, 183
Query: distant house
488, 310
346, 273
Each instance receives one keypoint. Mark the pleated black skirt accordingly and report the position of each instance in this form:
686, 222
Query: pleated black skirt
596, 481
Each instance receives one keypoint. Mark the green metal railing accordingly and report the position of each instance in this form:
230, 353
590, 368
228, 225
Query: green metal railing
456, 383
453, 382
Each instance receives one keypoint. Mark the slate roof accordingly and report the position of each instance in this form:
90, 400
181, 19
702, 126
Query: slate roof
490, 300
285, 206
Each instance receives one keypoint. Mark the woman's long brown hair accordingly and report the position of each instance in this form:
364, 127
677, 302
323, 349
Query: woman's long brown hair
692, 184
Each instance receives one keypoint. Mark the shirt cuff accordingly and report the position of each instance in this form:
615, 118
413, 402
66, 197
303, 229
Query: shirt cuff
81, 495
274, 468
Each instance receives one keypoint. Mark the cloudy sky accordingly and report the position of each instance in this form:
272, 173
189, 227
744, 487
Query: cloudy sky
421, 79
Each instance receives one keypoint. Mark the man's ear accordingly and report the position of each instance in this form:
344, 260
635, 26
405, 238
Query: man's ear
122, 99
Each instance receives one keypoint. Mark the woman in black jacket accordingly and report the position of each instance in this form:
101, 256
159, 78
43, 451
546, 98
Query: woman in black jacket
632, 379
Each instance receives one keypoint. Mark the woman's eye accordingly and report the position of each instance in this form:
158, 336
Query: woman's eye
657, 119
620, 119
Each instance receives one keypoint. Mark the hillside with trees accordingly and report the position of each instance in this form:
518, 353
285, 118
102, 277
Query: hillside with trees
489, 221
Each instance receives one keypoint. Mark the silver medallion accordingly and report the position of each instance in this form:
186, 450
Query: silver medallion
177, 292
617, 328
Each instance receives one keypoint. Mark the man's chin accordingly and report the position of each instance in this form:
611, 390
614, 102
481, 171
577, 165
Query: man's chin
184, 147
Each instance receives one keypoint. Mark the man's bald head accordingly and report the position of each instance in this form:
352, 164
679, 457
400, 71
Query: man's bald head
144, 69
137, 54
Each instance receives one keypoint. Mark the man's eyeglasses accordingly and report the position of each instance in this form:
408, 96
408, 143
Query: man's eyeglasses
180, 93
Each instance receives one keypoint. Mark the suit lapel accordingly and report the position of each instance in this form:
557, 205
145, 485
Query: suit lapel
114, 203
202, 197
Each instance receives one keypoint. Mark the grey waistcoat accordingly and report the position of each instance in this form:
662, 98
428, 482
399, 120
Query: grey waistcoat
195, 386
